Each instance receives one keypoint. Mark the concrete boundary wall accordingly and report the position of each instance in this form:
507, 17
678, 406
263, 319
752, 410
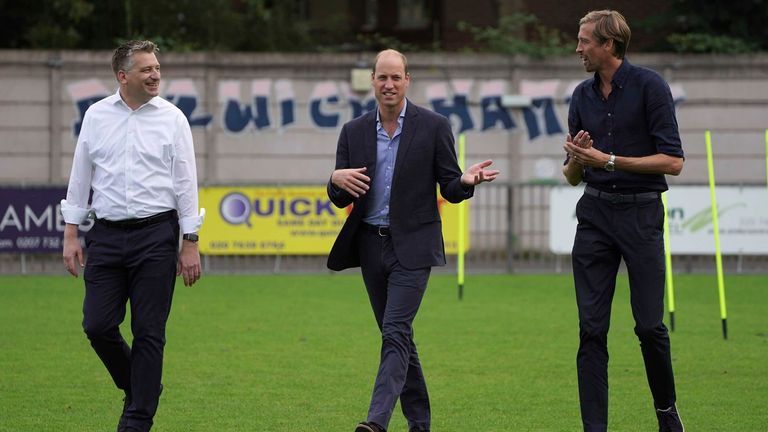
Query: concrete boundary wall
275, 118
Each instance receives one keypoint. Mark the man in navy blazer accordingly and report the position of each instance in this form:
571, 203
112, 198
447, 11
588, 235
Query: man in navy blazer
388, 164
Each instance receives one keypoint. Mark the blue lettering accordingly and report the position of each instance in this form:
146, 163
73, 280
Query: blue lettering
458, 108
321, 119
286, 111
359, 108
236, 116
261, 117
542, 108
324, 206
82, 106
295, 204
270, 209
187, 105
493, 113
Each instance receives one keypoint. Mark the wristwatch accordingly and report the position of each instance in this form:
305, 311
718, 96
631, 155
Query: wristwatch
190, 237
610, 166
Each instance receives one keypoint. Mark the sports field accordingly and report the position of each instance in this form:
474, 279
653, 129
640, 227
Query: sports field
299, 353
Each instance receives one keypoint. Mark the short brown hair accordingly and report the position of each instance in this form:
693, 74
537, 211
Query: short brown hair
122, 59
610, 24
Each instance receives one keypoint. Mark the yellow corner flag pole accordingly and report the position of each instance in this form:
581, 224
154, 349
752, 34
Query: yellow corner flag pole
716, 229
766, 157
462, 226
668, 262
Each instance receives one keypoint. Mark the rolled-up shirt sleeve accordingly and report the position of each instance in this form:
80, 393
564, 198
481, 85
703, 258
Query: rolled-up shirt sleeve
75, 207
185, 179
662, 122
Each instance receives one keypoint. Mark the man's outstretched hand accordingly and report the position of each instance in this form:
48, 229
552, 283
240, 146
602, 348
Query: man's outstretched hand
477, 174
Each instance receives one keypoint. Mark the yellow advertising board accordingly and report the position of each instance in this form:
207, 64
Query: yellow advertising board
276, 220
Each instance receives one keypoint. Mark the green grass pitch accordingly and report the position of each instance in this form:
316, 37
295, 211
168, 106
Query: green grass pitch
300, 352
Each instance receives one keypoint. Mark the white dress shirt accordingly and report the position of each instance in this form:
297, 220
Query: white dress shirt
139, 163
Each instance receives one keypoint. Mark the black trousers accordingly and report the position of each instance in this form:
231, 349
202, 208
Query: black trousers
136, 264
606, 233
395, 294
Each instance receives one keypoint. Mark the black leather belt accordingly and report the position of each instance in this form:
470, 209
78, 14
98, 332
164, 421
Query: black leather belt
138, 223
620, 197
382, 231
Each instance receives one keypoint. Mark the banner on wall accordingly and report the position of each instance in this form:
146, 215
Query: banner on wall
743, 219
31, 221
296, 220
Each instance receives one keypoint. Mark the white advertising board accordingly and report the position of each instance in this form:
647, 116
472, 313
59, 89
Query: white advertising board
743, 219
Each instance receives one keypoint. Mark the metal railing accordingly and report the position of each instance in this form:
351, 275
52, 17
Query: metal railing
509, 233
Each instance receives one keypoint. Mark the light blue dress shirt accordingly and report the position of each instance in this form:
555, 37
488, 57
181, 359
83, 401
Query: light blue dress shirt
380, 192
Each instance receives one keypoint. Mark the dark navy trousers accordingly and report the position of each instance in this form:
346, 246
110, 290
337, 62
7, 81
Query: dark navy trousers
136, 264
607, 232
395, 294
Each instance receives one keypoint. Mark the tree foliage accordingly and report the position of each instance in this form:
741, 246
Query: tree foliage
715, 26
282, 25
519, 34
176, 25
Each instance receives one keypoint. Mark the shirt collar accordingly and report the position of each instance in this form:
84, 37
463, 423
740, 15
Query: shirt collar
619, 78
115, 99
399, 117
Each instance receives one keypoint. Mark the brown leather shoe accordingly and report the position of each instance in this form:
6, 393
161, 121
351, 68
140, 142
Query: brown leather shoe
368, 427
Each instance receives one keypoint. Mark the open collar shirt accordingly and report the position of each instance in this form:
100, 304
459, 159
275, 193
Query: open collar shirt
138, 162
381, 185
637, 119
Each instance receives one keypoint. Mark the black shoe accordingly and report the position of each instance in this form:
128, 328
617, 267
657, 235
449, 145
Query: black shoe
369, 427
127, 400
669, 420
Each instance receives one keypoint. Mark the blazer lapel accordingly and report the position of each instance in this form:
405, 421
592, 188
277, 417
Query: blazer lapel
406, 138
370, 144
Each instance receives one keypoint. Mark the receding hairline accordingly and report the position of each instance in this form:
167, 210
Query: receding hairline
388, 53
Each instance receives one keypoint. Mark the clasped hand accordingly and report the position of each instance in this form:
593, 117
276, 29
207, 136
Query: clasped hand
581, 151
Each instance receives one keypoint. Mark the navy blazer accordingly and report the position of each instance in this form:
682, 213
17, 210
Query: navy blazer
425, 158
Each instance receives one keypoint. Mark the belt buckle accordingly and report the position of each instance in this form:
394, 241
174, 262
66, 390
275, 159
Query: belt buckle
617, 198
383, 231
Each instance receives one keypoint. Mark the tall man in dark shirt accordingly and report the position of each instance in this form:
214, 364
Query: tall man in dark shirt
622, 140
389, 163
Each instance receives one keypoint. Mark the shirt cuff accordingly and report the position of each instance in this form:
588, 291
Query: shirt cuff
192, 224
73, 214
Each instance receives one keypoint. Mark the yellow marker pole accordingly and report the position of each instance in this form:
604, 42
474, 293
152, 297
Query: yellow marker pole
462, 225
668, 262
716, 229
766, 157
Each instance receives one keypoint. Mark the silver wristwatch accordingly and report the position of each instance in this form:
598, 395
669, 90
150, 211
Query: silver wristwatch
610, 166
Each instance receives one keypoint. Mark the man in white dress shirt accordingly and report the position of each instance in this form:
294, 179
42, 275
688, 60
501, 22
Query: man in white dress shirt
135, 151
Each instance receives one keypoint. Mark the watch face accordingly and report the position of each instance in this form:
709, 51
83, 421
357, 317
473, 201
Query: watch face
609, 167
190, 237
